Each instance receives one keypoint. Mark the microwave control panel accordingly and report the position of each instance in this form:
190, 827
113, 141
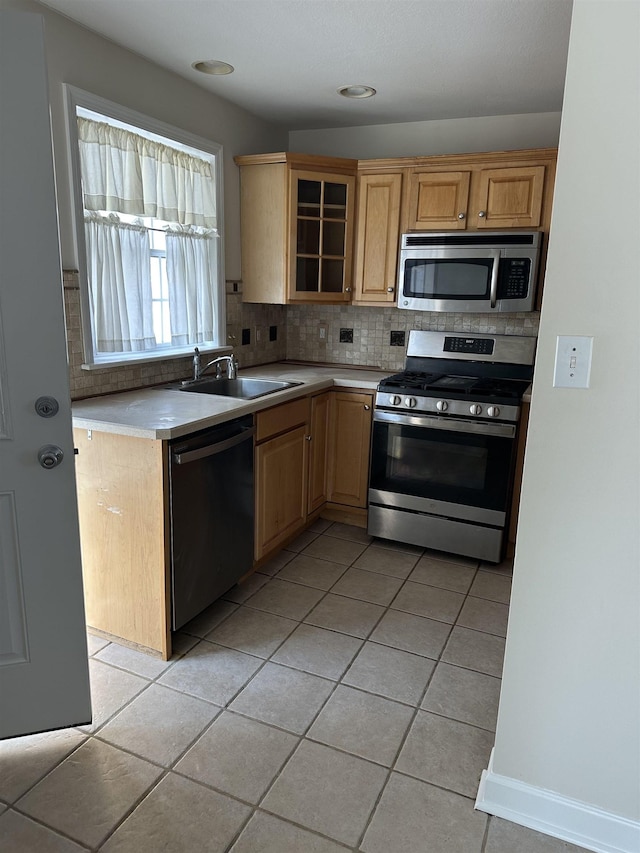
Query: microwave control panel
514, 278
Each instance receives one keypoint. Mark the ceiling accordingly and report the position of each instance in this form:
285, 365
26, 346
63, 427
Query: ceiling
428, 59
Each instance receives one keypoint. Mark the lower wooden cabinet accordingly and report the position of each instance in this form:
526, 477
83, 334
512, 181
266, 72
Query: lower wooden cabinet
318, 451
349, 446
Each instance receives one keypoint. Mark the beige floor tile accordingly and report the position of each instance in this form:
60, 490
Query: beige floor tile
291, 600
335, 550
446, 575
252, 631
464, 695
179, 815
111, 689
240, 592
137, 662
346, 615
411, 633
268, 834
90, 792
451, 558
25, 760
159, 724
283, 697
279, 561
446, 753
492, 586
482, 615
503, 568
475, 650
413, 816
301, 541
238, 756
320, 525
318, 651
312, 571
398, 564
365, 725
327, 791
95, 643
18, 834
367, 586
211, 672
506, 837
390, 672
182, 643
430, 601
349, 531
209, 618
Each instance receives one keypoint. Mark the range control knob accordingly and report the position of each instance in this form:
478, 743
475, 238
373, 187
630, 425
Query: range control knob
411, 402
442, 405
493, 411
475, 409
395, 400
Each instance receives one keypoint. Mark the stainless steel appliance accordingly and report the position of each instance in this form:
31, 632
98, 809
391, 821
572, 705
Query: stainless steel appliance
444, 442
212, 513
469, 272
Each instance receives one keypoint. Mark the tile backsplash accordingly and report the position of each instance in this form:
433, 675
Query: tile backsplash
372, 337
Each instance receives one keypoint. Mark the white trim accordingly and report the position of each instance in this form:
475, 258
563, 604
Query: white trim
561, 817
75, 98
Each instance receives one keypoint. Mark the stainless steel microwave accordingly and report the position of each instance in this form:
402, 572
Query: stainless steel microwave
471, 272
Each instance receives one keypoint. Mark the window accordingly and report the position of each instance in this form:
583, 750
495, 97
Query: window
148, 225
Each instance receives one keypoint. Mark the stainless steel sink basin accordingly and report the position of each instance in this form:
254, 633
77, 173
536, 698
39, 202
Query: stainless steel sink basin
243, 388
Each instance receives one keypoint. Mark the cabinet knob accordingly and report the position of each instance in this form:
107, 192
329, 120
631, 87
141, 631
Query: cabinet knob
389, 290
366, 407
347, 290
482, 214
308, 437
461, 216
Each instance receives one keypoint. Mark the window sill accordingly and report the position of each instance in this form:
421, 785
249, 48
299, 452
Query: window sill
146, 358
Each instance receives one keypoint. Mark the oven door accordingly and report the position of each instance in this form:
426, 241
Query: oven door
455, 468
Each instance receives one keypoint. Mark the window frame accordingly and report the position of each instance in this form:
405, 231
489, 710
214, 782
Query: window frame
75, 98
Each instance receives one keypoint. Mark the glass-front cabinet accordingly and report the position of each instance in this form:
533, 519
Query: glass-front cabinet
321, 210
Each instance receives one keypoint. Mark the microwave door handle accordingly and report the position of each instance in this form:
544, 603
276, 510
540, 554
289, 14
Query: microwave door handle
493, 292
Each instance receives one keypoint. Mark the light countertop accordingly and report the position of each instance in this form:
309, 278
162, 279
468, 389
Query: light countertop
159, 413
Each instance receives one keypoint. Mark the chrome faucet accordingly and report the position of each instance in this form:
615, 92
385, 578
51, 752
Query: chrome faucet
231, 362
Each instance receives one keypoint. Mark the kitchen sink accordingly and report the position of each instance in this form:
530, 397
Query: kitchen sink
243, 388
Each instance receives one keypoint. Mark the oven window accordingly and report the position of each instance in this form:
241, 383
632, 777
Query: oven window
448, 466
448, 279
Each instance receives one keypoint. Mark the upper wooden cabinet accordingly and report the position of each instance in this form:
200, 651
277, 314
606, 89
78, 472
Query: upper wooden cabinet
296, 228
377, 237
496, 190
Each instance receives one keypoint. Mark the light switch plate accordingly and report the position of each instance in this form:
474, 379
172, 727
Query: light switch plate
573, 362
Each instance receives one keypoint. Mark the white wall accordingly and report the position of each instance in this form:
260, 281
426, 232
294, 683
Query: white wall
569, 719
451, 136
79, 57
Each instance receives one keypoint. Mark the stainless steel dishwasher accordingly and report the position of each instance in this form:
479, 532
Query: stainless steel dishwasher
211, 512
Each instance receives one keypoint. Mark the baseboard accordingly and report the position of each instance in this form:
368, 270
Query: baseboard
555, 815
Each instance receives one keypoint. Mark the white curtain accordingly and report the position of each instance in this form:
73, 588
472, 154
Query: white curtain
119, 285
191, 271
127, 173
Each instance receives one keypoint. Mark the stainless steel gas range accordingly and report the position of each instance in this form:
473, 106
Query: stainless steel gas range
444, 442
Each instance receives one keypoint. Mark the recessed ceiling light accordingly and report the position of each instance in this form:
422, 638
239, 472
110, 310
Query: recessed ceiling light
357, 91
213, 66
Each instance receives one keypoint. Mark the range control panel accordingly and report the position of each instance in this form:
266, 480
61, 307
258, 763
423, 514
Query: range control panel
477, 346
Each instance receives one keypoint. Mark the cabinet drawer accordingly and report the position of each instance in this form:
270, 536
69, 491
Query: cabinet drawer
281, 418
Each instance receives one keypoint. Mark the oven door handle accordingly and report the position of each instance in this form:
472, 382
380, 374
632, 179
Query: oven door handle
448, 424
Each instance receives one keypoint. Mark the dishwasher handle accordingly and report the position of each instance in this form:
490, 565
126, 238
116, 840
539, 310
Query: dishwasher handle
211, 449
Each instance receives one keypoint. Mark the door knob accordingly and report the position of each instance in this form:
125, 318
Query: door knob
50, 456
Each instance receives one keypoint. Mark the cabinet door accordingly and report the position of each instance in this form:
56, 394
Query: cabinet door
438, 200
281, 488
509, 198
321, 237
377, 237
350, 440
318, 455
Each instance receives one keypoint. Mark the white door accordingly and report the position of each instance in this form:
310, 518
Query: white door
44, 679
